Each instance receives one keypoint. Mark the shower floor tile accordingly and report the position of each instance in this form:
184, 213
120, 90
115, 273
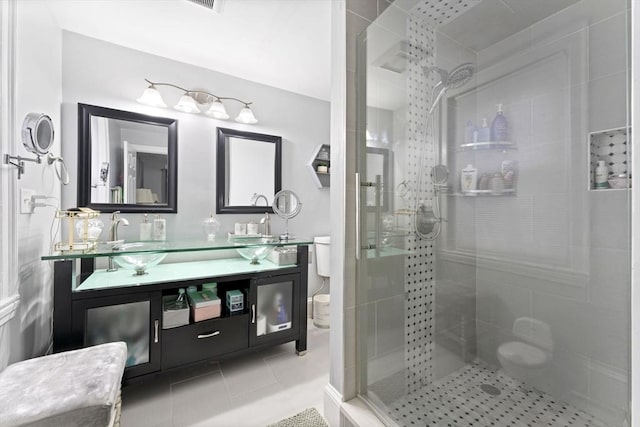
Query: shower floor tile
457, 400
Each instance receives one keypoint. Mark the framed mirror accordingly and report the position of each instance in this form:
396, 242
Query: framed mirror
378, 163
127, 161
249, 171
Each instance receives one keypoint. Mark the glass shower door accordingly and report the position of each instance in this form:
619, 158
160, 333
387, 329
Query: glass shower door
493, 276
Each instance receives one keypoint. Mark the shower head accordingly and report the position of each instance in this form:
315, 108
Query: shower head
460, 75
453, 79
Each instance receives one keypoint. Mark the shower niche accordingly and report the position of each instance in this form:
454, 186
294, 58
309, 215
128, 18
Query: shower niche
612, 147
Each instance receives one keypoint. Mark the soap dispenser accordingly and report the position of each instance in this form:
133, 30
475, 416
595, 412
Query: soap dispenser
499, 127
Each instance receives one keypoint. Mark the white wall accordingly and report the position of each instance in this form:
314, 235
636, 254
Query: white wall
104, 74
38, 89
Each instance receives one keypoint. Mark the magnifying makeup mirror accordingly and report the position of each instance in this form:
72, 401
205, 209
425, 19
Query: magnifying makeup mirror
286, 205
37, 138
37, 133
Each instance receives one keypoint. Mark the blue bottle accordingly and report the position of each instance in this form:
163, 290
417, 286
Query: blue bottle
499, 127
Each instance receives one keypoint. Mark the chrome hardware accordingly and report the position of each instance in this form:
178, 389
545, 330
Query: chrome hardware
253, 313
209, 335
156, 337
358, 184
378, 213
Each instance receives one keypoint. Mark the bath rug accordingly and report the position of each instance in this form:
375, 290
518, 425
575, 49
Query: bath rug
308, 418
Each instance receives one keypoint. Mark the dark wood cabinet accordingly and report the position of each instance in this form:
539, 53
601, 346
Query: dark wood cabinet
274, 312
204, 340
132, 318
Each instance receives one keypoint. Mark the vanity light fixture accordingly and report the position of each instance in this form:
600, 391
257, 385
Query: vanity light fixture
195, 101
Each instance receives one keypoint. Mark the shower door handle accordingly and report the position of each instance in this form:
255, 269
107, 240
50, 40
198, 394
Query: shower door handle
358, 243
378, 213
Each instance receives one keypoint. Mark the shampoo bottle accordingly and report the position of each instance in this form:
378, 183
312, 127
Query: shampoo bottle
468, 178
146, 229
499, 127
470, 133
159, 228
484, 133
601, 175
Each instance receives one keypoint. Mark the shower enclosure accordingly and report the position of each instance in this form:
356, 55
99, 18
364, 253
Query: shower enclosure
493, 272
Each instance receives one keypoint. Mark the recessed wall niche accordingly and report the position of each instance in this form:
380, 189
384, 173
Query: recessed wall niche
614, 147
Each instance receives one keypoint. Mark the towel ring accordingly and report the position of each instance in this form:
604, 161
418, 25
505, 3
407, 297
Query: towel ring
60, 170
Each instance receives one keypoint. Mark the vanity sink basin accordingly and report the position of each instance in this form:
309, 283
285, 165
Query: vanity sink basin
256, 253
139, 262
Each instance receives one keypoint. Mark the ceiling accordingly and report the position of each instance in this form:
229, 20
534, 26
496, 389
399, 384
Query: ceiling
280, 43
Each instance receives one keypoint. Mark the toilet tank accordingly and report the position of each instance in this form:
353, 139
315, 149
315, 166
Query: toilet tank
323, 255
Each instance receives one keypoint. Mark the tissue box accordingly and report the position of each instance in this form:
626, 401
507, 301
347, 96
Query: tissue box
204, 305
287, 255
172, 315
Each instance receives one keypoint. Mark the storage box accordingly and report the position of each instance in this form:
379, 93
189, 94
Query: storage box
204, 305
174, 315
235, 301
287, 255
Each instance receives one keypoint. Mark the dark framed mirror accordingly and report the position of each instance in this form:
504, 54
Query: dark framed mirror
379, 163
127, 161
249, 171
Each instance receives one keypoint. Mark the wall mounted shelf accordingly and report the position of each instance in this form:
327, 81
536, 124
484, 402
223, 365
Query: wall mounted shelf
321, 157
486, 193
489, 145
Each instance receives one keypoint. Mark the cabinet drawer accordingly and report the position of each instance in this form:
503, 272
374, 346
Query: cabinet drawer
203, 340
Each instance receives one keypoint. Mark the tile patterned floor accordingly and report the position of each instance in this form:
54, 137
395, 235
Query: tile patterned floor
457, 400
253, 390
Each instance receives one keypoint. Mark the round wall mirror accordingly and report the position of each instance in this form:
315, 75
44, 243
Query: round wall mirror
287, 205
37, 133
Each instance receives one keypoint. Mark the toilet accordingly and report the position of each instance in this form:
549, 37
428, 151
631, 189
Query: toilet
323, 267
526, 358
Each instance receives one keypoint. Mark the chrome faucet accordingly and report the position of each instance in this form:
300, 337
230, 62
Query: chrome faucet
267, 224
113, 235
256, 197
113, 229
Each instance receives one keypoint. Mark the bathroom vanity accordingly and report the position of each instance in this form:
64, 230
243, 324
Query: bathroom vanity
95, 305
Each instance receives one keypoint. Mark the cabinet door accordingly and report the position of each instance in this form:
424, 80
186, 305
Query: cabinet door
134, 319
274, 309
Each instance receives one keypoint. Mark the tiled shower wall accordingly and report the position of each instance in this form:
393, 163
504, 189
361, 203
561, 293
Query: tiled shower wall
556, 252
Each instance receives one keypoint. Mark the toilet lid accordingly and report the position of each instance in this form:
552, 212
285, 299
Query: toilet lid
523, 354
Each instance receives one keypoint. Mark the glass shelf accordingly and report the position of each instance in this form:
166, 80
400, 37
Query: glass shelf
485, 193
220, 243
488, 145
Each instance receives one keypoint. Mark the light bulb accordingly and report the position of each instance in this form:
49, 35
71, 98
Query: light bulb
187, 104
246, 116
217, 110
151, 97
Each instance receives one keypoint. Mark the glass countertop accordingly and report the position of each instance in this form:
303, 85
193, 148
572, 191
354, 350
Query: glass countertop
220, 243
